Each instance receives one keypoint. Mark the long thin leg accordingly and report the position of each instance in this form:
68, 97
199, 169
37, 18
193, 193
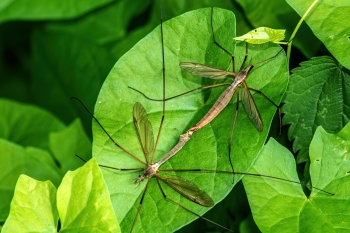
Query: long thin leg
140, 205
115, 168
92, 115
163, 72
173, 97
231, 136
178, 204
241, 173
215, 42
277, 106
245, 56
270, 58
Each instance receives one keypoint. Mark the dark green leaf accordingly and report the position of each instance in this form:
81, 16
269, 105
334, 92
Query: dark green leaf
62, 65
187, 39
109, 23
69, 142
318, 94
27, 125
43, 10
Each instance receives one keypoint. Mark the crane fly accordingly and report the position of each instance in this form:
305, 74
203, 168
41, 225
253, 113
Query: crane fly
145, 137
187, 189
144, 131
149, 169
238, 81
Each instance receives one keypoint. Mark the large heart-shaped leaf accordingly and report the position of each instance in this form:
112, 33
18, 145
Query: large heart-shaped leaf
186, 38
283, 206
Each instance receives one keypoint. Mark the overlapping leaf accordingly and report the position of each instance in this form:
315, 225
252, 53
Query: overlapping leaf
42, 10
186, 38
318, 94
279, 15
283, 206
34, 207
35, 143
328, 21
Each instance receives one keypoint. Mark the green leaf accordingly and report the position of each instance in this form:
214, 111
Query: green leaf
32, 138
109, 23
83, 201
16, 160
69, 142
187, 38
328, 21
33, 208
281, 206
42, 10
318, 94
269, 14
63, 65
262, 35
26, 125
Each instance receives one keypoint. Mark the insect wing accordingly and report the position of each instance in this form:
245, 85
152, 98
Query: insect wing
143, 129
251, 109
189, 190
205, 71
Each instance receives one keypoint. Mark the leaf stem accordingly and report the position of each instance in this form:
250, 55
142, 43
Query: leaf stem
297, 28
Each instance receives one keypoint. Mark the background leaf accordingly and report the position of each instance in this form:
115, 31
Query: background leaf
327, 21
114, 110
92, 210
317, 95
33, 208
35, 143
41, 10
27, 125
283, 206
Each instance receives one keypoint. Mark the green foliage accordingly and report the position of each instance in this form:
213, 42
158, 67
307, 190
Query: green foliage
34, 142
279, 15
210, 144
61, 49
42, 10
283, 206
328, 22
322, 81
34, 207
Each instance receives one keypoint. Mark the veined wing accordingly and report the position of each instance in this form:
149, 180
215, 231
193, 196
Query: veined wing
205, 71
143, 129
189, 190
251, 109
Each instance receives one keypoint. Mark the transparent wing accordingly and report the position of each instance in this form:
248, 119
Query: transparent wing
189, 190
143, 129
251, 109
205, 71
